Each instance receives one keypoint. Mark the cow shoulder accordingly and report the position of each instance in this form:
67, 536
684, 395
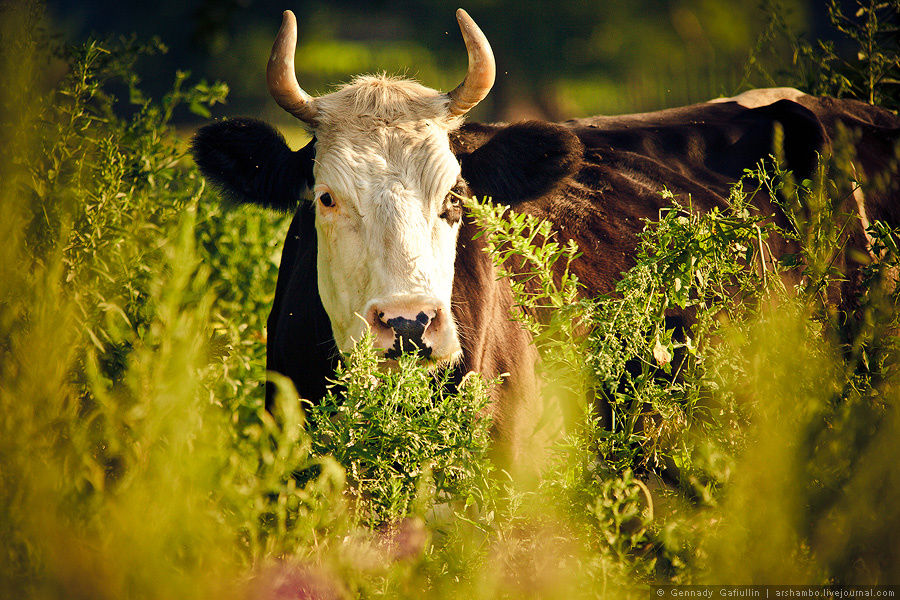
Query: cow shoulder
804, 134
813, 126
875, 135
249, 161
513, 163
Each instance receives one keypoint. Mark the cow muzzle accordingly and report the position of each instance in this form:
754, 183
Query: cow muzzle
418, 324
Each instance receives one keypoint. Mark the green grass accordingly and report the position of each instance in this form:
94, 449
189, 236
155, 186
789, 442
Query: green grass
136, 459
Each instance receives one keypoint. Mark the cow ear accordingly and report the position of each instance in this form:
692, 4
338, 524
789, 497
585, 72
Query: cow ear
521, 161
250, 162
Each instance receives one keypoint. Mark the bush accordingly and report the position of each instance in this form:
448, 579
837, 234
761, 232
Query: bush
122, 474
861, 61
770, 390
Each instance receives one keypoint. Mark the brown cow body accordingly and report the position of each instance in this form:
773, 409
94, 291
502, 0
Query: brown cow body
595, 179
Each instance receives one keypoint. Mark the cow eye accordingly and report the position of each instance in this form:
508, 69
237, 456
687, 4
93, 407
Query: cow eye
452, 210
326, 200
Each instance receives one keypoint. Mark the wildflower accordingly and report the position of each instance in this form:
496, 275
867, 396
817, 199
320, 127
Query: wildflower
661, 354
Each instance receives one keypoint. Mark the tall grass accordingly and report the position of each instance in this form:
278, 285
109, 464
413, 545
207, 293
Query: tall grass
122, 474
136, 459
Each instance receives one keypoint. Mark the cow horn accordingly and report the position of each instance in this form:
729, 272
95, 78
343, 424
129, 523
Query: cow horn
281, 78
482, 69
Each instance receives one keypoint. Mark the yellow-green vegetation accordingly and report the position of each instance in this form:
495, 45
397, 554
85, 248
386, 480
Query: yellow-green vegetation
137, 461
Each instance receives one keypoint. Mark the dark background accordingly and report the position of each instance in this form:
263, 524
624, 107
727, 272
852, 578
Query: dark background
555, 59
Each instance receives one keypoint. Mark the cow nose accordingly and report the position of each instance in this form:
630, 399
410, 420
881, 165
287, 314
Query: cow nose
408, 328
404, 328
408, 335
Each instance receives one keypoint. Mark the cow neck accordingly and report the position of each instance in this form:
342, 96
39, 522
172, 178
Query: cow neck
493, 344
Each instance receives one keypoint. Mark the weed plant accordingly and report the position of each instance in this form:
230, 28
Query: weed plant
862, 61
405, 440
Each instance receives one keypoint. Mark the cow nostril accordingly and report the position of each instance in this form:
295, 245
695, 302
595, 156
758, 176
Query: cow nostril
423, 318
406, 328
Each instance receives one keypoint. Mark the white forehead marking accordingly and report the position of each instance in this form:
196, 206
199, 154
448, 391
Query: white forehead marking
393, 100
378, 131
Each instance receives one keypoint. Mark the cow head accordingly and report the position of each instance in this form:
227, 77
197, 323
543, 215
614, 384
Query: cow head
386, 188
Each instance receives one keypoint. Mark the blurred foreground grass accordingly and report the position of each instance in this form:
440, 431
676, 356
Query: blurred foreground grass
136, 459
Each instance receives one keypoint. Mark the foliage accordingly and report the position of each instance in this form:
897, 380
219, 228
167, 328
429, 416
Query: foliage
874, 75
582, 58
870, 73
746, 445
525, 252
405, 439
676, 393
107, 371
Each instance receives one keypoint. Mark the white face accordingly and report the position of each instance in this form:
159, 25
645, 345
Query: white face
387, 228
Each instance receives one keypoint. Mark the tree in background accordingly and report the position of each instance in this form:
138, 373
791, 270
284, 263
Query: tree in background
555, 59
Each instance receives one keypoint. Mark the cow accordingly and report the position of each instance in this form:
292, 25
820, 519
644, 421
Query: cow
379, 241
